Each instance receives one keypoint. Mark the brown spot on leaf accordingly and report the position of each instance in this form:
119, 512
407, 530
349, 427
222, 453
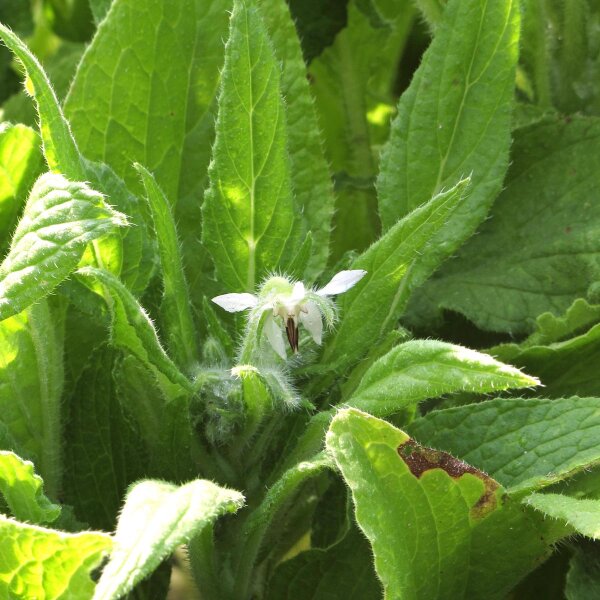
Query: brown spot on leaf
420, 459
568, 229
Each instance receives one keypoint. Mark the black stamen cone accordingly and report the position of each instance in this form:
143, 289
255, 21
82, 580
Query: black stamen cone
292, 334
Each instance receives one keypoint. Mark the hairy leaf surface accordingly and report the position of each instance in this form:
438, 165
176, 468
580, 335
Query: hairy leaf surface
422, 369
250, 223
521, 443
59, 220
422, 507
540, 251
396, 264
158, 517
583, 515
310, 178
454, 119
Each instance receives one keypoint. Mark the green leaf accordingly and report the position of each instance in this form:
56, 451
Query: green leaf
523, 443
551, 328
17, 15
181, 333
138, 248
62, 66
59, 220
310, 178
396, 264
317, 23
164, 117
20, 165
257, 525
62, 155
60, 149
583, 578
344, 570
349, 89
454, 119
133, 331
540, 251
22, 490
102, 453
565, 368
43, 563
31, 383
161, 417
99, 9
583, 515
425, 511
421, 369
162, 112
156, 518
250, 223
560, 351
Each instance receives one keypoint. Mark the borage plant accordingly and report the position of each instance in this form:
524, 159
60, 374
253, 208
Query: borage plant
122, 376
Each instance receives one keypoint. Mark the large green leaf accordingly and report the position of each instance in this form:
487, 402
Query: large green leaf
350, 90
426, 512
31, 382
251, 225
63, 156
20, 164
102, 453
60, 219
311, 183
163, 117
454, 119
161, 112
43, 563
22, 490
421, 369
156, 518
561, 352
343, 570
396, 264
408, 374
541, 249
521, 443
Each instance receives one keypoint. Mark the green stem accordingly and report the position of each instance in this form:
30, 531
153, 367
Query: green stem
201, 551
536, 33
50, 377
257, 523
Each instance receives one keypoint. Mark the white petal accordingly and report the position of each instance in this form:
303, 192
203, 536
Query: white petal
342, 282
275, 336
298, 292
312, 321
236, 302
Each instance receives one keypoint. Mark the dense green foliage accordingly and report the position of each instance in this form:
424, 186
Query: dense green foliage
432, 433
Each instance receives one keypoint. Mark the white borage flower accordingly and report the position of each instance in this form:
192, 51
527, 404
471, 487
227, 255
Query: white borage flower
290, 304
